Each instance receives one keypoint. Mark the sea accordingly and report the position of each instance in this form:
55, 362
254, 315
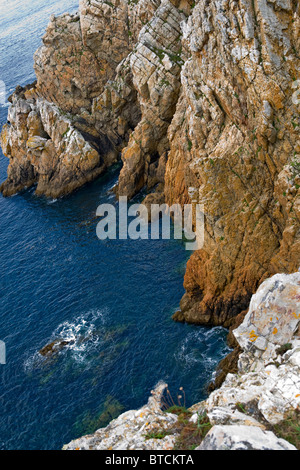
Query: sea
110, 302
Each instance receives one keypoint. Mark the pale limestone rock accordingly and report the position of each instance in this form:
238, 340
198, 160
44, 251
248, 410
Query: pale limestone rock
223, 415
267, 377
128, 431
273, 317
240, 411
238, 437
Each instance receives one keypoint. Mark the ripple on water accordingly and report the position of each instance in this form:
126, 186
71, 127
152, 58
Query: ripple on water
110, 303
79, 337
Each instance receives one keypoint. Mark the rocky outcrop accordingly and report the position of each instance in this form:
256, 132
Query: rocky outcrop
83, 85
268, 367
189, 95
240, 437
46, 149
247, 411
129, 430
235, 137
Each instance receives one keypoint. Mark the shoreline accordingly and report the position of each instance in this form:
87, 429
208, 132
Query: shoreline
254, 409
197, 101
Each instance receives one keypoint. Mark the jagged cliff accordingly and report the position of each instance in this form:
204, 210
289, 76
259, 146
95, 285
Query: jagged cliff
255, 408
189, 94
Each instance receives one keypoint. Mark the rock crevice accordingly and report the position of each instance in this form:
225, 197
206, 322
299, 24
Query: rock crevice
253, 404
188, 95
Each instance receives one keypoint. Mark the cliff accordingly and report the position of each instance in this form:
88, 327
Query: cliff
257, 408
189, 94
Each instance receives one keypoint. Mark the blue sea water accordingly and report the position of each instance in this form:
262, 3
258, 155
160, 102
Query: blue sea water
112, 300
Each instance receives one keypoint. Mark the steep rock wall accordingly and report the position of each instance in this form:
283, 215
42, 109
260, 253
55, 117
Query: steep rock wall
235, 137
190, 94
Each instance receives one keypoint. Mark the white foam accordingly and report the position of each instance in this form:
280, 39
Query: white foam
83, 334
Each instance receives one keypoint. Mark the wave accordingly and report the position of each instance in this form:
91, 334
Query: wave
78, 337
51, 201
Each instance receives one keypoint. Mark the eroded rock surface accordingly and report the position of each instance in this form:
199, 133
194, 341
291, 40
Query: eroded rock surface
45, 148
268, 376
264, 392
235, 136
188, 94
129, 430
242, 438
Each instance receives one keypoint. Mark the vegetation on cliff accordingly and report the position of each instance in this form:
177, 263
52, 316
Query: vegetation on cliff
189, 94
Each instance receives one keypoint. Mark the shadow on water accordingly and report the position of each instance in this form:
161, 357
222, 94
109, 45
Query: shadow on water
108, 303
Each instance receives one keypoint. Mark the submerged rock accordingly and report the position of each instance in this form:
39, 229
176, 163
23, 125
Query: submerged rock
243, 438
129, 430
246, 411
89, 422
55, 347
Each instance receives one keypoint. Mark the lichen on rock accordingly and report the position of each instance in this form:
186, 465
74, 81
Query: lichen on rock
246, 412
187, 94
234, 137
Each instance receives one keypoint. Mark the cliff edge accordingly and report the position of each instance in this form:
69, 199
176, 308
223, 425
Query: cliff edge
257, 408
189, 95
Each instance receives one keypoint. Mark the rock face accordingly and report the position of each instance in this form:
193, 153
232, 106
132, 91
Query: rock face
242, 438
187, 94
268, 377
273, 316
235, 136
128, 431
45, 148
263, 393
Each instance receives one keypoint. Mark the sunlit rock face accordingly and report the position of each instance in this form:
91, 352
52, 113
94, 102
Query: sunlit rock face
188, 94
235, 137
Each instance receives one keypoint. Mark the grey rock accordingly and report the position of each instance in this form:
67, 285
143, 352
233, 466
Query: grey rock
242, 438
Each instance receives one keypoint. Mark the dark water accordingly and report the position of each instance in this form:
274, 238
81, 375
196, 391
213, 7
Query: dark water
113, 299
